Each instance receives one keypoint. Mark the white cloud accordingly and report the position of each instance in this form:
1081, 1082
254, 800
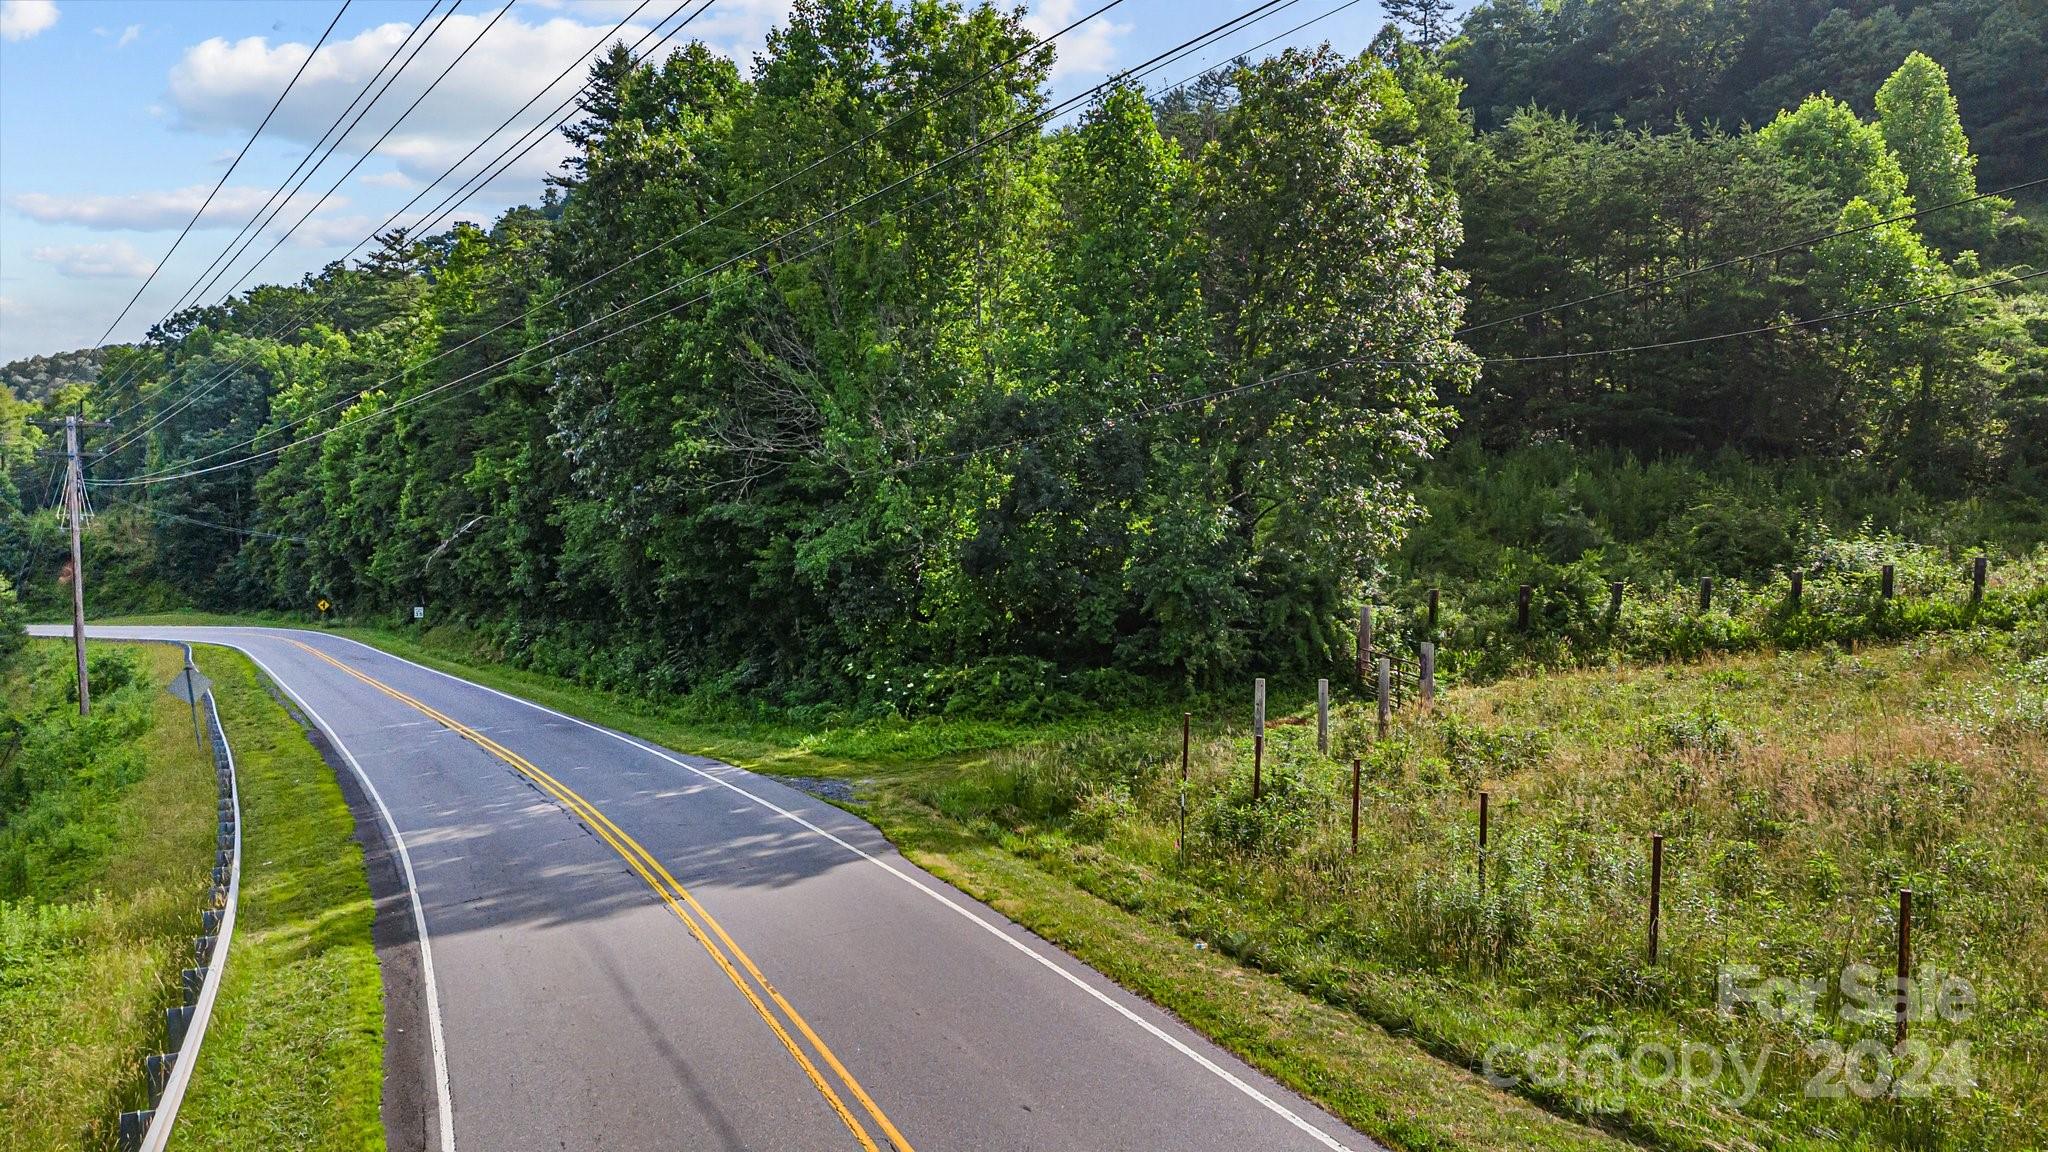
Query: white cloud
24, 19
113, 260
391, 179
128, 35
156, 211
1088, 50
226, 87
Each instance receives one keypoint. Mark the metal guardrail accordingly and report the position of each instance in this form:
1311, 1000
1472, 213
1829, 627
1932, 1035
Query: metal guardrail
170, 1071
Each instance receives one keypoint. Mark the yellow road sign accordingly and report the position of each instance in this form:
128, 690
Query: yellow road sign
324, 605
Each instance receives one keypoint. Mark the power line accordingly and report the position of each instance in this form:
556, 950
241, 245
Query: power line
284, 202
188, 471
286, 235
272, 198
222, 182
300, 312
870, 135
160, 514
1660, 345
378, 142
1223, 394
1767, 253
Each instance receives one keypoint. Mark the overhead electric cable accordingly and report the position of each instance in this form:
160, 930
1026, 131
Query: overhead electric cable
188, 471
283, 186
366, 154
298, 312
965, 150
1766, 254
1232, 392
318, 154
378, 142
222, 182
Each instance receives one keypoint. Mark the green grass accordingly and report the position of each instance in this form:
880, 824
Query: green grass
106, 833
294, 1056
1797, 793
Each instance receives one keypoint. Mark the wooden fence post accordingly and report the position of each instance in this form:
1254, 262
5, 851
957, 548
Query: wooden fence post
1187, 720
1656, 889
1323, 717
1364, 642
1482, 842
1798, 586
1886, 577
1386, 671
1258, 733
1426, 676
1354, 805
1614, 591
1706, 593
1522, 596
1979, 568
1905, 964
1434, 594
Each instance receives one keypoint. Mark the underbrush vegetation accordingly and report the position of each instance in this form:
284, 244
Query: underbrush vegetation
106, 832
1797, 793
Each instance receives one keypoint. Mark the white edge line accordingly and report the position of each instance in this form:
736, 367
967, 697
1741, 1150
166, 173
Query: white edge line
158, 1136
1225, 1074
419, 916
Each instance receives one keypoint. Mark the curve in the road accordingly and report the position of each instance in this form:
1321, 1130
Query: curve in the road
562, 1014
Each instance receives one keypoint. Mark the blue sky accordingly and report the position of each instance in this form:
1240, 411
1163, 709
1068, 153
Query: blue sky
117, 116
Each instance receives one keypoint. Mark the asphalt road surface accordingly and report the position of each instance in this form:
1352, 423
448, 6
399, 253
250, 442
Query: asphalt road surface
627, 948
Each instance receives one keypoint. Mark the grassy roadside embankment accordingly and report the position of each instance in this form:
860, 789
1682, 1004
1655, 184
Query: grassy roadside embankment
104, 850
106, 834
294, 1057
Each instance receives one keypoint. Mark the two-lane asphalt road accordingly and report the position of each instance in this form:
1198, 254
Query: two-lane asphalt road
627, 948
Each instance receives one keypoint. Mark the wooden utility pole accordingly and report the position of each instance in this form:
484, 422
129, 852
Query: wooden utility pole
74, 501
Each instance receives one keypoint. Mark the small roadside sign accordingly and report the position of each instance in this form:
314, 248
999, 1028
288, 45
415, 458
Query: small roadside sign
188, 685
419, 612
322, 604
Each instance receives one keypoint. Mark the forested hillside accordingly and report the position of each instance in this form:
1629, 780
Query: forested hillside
868, 373
1738, 62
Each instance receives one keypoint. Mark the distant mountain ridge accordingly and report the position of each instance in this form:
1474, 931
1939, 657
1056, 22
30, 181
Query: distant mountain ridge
34, 378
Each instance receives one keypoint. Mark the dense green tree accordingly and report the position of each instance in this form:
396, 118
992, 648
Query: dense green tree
1917, 114
1835, 153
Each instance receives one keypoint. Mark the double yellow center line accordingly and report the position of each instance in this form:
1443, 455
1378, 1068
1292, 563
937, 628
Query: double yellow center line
704, 928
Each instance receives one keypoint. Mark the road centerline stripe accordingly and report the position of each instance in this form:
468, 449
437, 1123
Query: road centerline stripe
657, 877
1250, 1091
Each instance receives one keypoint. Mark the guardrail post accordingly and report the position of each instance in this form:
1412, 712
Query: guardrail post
1426, 675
